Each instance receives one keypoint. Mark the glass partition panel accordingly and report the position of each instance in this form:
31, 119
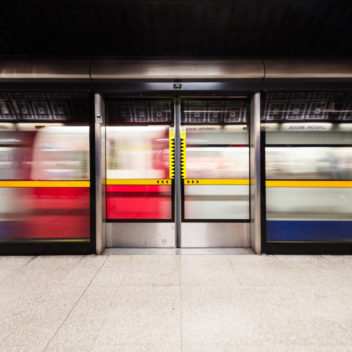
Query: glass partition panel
217, 159
216, 202
44, 163
44, 181
308, 154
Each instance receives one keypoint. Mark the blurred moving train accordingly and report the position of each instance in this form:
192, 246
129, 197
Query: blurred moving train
268, 151
137, 153
44, 181
316, 152
212, 152
33, 154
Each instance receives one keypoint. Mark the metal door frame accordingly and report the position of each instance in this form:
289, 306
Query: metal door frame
100, 172
251, 228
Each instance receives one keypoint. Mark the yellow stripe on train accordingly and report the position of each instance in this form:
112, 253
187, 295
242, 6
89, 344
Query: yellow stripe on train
216, 181
308, 183
49, 184
146, 182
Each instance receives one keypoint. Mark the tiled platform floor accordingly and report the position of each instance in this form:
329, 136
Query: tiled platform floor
176, 303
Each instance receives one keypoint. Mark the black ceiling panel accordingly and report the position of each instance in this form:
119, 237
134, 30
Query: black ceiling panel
182, 28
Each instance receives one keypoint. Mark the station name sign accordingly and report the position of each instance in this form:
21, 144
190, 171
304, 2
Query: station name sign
294, 127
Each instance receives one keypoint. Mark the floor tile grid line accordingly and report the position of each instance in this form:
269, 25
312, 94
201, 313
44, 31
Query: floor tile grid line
125, 277
72, 268
67, 272
233, 271
103, 324
99, 330
30, 261
75, 304
18, 268
119, 285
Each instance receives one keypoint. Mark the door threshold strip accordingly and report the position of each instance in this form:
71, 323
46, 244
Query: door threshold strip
173, 251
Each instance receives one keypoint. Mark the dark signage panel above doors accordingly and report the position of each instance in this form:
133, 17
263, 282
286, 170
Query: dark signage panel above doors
47, 106
214, 111
307, 106
139, 111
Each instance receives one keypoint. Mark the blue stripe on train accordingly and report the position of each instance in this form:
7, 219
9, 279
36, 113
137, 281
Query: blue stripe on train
277, 230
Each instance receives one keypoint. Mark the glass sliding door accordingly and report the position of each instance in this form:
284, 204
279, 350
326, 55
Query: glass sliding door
143, 139
215, 172
139, 187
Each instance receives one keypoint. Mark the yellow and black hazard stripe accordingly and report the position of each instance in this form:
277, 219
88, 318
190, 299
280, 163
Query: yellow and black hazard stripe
183, 153
172, 153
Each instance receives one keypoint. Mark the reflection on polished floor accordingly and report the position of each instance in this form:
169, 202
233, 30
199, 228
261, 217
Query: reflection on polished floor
176, 303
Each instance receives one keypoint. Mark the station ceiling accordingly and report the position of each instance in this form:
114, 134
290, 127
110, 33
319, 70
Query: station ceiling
176, 28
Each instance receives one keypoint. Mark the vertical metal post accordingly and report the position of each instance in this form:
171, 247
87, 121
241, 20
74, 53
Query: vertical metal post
100, 170
255, 174
178, 180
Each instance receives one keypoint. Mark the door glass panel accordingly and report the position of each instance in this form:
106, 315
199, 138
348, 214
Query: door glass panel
308, 169
137, 156
217, 160
44, 162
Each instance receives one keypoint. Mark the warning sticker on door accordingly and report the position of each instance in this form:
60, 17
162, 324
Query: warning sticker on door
172, 153
183, 153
